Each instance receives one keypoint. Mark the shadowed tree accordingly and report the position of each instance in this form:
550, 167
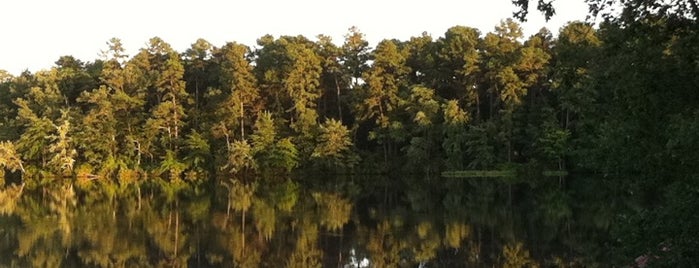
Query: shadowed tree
459, 67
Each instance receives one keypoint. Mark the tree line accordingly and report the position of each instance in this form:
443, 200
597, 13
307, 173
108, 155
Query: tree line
461, 101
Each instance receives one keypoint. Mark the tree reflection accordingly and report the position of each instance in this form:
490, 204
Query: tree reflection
269, 222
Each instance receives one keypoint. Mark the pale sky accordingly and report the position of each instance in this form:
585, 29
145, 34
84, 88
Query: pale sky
35, 33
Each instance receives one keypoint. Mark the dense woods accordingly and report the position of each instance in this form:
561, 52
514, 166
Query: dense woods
465, 100
615, 106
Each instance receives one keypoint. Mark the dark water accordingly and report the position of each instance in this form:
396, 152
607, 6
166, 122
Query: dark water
396, 221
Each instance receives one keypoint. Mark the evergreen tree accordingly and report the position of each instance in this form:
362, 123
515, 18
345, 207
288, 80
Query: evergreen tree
167, 115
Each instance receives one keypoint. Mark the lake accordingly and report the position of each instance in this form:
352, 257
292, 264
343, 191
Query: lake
388, 221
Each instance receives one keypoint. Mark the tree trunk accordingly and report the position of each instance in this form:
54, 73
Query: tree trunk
242, 121
339, 107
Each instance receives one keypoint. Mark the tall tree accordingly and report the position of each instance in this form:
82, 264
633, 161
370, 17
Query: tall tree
199, 72
575, 48
74, 78
37, 111
453, 144
62, 148
355, 55
241, 94
302, 85
385, 81
459, 67
505, 89
290, 71
167, 114
334, 80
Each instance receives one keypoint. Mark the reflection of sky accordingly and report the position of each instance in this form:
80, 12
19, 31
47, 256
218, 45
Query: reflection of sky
37, 32
354, 263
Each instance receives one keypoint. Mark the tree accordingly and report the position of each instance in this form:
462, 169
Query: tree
421, 59
355, 55
505, 87
272, 154
9, 159
334, 145
289, 70
62, 148
265, 133
73, 77
199, 71
302, 85
517, 256
545, 7
459, 68
575, 49
240, 85
453, 144
240, 157
334, 80
424, 129
198, 153
97, 134
124, 96
37, 111
385, 81
5, 76
631, 10
32, 144
167, 115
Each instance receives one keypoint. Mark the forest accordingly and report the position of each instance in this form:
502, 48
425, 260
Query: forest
607, 112
462, 101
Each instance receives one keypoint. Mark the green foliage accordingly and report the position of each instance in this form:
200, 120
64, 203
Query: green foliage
453, 145
271, 154
265, 133
479, 148
459, 66
240, 85
167, 72
384, 80
334, 145
9, 158
284, 155
553, 142
198, 155
100, 122
302, 86
355, 54
648, 232
171, 166
62, 148
240, 157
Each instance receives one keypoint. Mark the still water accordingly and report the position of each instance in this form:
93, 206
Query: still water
308, 221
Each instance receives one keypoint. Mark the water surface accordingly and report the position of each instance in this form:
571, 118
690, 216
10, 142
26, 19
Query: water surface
399, 221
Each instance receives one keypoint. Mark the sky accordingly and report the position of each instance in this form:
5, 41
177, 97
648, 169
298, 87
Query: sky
35, 33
